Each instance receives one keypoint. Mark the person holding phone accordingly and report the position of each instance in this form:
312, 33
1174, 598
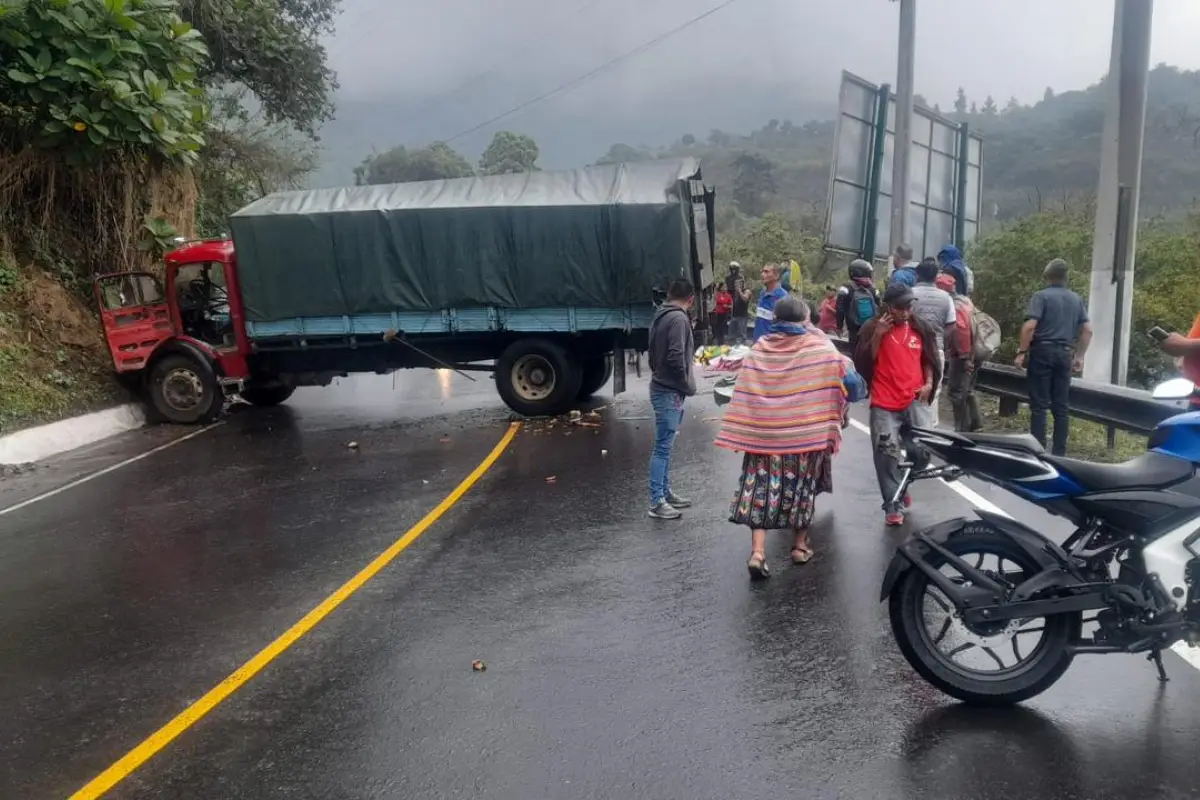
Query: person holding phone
1185, 348
897, 355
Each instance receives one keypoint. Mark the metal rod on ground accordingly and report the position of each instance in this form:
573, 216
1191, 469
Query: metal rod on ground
393, 336
871, 213
1119, 275
902, 151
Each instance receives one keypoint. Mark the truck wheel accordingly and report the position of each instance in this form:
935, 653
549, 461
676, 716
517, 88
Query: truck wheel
596, 372
271, 394
184, 392
536, 377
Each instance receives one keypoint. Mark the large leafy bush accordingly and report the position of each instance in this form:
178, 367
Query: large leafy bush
93, 76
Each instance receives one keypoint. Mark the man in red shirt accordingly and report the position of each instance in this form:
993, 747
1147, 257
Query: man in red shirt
897, 355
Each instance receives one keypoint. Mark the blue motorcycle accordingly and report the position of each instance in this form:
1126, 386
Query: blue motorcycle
991, 612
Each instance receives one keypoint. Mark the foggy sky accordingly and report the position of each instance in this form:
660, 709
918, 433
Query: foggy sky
423, 49
416, 71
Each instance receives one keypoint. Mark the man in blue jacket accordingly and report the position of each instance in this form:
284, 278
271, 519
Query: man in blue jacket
671, 382
772, 293
950, 259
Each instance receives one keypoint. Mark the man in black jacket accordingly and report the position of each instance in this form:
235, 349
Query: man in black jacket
897, 355
671, 381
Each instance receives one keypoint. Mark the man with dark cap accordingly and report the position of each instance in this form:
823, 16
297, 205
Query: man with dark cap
897, 356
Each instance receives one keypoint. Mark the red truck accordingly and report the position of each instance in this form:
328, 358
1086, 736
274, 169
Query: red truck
542, 279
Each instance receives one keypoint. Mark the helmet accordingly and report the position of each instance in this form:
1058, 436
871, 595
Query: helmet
861, 269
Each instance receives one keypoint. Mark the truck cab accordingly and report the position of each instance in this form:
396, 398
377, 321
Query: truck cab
180, 341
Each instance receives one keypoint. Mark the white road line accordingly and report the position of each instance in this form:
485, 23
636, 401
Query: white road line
101, 473
966, 492
1189, 654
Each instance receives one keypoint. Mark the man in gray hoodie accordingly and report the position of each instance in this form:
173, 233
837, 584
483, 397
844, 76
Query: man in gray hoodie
671, 381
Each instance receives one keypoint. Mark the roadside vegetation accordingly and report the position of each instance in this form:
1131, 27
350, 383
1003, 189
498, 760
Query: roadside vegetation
124, 123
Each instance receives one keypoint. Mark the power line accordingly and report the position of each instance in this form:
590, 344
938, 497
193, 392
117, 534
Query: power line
574, 82
478, 77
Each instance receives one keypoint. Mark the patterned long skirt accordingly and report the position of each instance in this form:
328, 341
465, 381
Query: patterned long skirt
779, 492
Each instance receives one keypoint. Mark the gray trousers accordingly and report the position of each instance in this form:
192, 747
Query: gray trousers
889, 448
961, 378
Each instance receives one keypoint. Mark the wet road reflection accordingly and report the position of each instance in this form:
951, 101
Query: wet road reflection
626, 657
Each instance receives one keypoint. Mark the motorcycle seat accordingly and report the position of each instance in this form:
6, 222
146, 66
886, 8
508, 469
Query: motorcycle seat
1006, 441
1147, 471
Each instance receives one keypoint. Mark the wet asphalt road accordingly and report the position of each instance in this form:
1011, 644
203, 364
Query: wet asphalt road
627, 658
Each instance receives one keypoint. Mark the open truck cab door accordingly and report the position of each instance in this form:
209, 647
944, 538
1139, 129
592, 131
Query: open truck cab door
136, 317
182, 345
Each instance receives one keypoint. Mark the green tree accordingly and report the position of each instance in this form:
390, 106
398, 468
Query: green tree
244, 159
1048, 95
401, 165
989, 107
1008, 267
1013, 105
97, 76
769, 239
754, 183
960, 101
273, 48
509, 152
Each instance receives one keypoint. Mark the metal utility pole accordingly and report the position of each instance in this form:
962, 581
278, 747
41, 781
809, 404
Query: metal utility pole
904, 113
1110, 302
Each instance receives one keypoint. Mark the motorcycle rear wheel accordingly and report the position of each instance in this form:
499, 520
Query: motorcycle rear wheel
909, 606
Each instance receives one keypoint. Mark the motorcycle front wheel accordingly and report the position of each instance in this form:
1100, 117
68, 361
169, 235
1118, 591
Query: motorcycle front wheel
999, 664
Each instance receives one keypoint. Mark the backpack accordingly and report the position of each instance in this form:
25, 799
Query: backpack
861, 307
985, 336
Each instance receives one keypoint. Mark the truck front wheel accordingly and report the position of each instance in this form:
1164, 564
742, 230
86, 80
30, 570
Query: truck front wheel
536, 377
185, 392
271, 394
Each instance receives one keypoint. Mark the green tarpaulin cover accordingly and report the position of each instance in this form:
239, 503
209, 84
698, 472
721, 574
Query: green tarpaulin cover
599, 237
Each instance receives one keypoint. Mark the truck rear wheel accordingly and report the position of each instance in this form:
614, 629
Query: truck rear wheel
536, 377
271, 394
184, 391
596, 372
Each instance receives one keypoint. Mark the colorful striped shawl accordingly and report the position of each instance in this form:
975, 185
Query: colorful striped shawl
788, 397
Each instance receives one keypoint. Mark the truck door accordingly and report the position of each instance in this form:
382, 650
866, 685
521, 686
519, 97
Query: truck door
135, 316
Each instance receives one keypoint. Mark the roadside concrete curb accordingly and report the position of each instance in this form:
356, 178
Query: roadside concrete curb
35, 444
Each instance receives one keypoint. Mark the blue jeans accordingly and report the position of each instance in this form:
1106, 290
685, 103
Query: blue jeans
668, 415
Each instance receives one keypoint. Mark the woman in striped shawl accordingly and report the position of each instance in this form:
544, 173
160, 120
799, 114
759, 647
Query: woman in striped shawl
786, 416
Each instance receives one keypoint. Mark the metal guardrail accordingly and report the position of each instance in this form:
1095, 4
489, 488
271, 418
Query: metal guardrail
1119, 406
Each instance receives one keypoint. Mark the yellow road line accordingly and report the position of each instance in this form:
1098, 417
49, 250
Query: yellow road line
196, 711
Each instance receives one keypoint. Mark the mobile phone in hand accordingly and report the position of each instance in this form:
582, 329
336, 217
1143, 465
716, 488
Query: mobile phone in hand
1157, 334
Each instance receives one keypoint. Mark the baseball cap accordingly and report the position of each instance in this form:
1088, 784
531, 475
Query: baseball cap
898, 295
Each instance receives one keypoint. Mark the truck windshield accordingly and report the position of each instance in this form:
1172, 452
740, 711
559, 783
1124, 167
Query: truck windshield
204, 302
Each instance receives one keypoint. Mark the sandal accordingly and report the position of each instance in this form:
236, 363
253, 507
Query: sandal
802, 555
758, 567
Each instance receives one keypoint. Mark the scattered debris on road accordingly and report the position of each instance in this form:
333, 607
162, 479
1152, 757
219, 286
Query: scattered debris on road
552, 479
12, 470
353, 445
478, 666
